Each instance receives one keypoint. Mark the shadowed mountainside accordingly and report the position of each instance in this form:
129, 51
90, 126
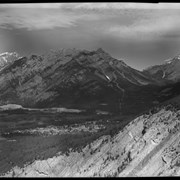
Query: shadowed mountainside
74, 78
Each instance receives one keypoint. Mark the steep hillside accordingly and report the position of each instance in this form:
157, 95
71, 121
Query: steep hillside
78, 104
147, 146
167, 72
71, 77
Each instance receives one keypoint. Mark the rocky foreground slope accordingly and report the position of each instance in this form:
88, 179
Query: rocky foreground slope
148, 146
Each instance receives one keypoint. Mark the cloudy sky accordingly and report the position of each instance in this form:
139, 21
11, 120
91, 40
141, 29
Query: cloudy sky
141, 34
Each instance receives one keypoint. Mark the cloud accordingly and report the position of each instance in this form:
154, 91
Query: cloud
106, 6
137, 32
36, 19
32, 5
152, 26
121, 23
91, 6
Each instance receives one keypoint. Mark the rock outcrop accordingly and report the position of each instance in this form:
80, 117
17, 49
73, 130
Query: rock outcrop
147, 146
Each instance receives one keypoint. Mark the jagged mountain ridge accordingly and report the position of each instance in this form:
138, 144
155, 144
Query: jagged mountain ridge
7, 58
167, 72
69, 76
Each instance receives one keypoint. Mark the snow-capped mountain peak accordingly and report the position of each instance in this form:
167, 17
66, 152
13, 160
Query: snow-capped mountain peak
168, 61
8, 53
8, 57
178, 57
169, 70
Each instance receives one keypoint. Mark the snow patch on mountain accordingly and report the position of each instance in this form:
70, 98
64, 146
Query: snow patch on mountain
8, 57
10, 107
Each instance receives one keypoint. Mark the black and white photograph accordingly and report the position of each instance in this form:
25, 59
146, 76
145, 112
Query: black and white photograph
89, 89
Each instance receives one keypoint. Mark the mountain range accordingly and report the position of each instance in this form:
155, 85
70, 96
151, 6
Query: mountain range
71, 113
85, 79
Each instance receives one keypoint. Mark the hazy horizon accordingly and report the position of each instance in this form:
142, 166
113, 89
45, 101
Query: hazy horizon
141, 34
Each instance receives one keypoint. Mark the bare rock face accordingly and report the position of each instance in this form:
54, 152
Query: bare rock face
68, 76
147, 146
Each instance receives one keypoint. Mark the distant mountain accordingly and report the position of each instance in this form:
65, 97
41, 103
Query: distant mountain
7, 57
92, 80
167, 72
146, 146
71, 77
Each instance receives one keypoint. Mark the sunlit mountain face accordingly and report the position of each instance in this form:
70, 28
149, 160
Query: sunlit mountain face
7, 57
168, 71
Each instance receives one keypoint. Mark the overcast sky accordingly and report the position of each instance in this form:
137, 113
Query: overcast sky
141, 34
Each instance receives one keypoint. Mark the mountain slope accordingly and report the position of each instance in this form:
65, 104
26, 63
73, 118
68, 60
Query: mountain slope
70, 77
147, 146
167, 72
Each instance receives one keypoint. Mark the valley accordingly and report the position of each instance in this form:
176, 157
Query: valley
27, 136
146, 146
